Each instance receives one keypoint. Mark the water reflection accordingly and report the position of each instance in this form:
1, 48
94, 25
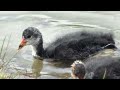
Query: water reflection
60, 63
39, 72
37, 67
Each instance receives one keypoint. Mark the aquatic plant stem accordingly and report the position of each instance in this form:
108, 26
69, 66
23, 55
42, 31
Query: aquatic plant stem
104, 74
6, 63
2, 46
6, 48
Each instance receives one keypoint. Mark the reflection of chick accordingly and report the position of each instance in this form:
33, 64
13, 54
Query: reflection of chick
37, 67
106, 67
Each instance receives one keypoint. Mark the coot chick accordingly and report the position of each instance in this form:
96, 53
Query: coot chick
101, 67
78, 45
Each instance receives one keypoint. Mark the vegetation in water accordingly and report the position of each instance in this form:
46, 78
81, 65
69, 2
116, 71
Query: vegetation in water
4, 63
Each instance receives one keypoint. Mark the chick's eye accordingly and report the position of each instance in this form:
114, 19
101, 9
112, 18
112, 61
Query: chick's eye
29, 36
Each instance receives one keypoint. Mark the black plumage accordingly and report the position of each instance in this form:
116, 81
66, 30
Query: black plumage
100, 67
77, 45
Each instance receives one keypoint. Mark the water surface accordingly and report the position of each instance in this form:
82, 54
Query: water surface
52, 25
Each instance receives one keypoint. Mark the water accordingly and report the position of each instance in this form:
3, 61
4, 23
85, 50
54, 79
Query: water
52, 25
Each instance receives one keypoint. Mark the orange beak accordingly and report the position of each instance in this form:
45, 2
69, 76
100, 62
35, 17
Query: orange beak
23, 43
